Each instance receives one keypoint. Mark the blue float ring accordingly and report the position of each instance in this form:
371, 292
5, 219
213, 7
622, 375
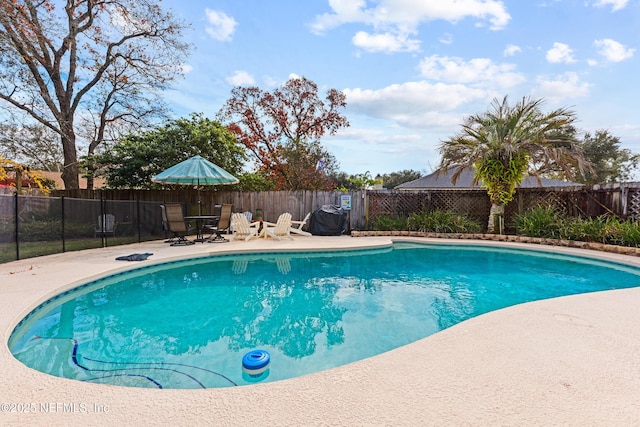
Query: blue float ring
256, 362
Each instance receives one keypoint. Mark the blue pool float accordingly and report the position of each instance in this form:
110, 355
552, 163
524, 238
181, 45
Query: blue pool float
256, 362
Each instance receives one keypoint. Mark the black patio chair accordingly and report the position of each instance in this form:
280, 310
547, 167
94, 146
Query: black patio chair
177, 225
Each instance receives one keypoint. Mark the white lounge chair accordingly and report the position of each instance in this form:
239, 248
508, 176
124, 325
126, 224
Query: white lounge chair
296, 226
241, 227
281, 229
106, 225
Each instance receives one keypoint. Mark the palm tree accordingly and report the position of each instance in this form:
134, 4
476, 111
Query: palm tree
506, 142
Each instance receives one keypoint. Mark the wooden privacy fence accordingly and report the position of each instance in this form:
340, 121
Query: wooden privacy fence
270, 203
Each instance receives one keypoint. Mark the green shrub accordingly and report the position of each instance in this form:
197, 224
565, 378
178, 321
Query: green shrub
539, 222
543, 222
388, 223
442, 222
7, 231
602, 229
51, 230
629, 233
35, 231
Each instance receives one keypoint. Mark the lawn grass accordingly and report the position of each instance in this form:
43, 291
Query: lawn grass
41, 248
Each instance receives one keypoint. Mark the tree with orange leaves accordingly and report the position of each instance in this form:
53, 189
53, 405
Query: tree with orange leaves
21, 175
100, 60
282, 131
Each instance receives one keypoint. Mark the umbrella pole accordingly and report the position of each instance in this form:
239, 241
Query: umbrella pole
199, 200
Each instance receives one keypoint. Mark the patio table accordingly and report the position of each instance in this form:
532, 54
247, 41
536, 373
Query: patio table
200, 221
262, 227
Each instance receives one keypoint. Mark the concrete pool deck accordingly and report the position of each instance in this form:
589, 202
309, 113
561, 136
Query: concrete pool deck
565, 361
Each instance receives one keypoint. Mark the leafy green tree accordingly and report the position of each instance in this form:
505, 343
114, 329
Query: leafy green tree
282, 129
393, 179
340, 180
505, 142
253, 181
132, 161
610, 162
361, 181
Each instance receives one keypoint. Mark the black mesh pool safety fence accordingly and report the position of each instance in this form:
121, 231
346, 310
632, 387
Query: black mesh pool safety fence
32, 226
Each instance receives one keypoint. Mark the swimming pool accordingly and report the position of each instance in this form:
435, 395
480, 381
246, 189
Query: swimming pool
187, 324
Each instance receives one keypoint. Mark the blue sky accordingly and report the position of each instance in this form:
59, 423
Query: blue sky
412, 70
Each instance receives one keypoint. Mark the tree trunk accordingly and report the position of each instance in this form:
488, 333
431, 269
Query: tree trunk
495, 215
90, 181
70, 170
18, 180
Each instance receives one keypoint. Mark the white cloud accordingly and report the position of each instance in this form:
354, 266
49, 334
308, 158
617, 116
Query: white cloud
562, 88
414, 104
560, 53
344, 11
377, 137
407, 15
615, 4
477, 70
511, 50
276, 83
612, 50
547, 4
221, 26
399, 149
386, 42
186, 68
446, 38
240, 78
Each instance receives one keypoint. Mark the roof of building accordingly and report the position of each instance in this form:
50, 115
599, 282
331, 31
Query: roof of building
440, 180
57, 178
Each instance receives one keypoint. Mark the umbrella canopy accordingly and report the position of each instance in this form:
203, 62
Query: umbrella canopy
195, 171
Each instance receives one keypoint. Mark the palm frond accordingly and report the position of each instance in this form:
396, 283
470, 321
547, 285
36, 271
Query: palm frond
521, 135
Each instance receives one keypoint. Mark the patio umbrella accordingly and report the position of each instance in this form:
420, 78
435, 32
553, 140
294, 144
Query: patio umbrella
196, 171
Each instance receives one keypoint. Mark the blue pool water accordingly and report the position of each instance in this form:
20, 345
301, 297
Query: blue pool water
188, 324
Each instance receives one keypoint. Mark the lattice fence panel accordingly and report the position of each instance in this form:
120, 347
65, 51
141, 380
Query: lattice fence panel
633, 203
396, 203
533, 199
475, 204
562, 202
